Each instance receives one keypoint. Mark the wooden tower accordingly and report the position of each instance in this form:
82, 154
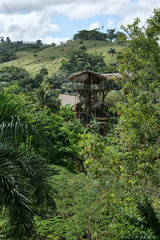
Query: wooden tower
92, 89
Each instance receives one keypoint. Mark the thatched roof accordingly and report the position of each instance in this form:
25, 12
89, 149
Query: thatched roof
88, 77
112, 76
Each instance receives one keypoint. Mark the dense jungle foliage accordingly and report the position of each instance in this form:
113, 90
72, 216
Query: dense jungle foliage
62, 179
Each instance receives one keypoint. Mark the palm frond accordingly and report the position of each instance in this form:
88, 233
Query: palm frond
45, 194
18, 129
23, 186
12, 192
23, 176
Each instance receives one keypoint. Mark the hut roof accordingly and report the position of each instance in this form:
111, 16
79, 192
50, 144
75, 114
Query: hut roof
112, 76
88, 77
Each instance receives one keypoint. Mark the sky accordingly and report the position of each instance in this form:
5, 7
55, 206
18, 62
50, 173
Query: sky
58, 20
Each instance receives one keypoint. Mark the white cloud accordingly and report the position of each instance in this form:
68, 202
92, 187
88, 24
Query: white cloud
31, 26
94, 26
79, 8
56, 40
142, 9
32, 19
110, 23
83, 9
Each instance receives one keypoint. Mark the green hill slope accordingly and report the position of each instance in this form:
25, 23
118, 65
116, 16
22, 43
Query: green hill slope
52, 57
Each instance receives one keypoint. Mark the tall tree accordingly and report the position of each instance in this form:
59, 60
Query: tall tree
139, 122
2, 39
111, 34
46, 97
8, 40
39, 42
141, 69
23, 183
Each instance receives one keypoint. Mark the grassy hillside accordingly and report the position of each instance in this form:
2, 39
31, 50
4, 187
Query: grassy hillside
51, 57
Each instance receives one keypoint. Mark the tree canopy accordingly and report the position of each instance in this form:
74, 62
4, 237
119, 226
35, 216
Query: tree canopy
80, 60
97, 35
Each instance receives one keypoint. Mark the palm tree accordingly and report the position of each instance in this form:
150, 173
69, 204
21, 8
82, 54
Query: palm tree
43, 71
102, 28
47, 97
23, 182
112, 51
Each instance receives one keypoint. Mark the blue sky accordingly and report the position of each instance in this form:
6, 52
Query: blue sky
58, 20
71, 26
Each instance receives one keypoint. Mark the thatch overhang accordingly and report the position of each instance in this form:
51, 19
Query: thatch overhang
87, 77
90, 77
112, 76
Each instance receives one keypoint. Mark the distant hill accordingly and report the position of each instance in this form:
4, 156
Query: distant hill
51, 57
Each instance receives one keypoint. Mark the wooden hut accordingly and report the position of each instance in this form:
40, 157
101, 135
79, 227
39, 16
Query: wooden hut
92, 89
